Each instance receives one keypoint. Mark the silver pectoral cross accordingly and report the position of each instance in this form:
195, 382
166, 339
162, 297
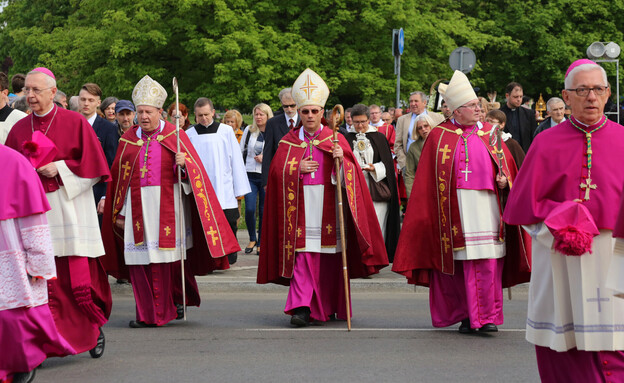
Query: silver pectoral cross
466, 171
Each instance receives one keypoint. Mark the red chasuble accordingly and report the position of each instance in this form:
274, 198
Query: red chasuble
283, 224
75, 141
211, 231
432, 227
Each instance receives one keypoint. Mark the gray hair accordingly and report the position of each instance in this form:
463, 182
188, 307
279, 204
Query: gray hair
50, 81
59, 94
423, 96
284, 92
552, 101
569, 80
20, 104
360, 110
73, 103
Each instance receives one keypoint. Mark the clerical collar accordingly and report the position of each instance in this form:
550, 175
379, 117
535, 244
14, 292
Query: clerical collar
479, 125
46, 113
4, 112
578, 124
161, 125
210, 129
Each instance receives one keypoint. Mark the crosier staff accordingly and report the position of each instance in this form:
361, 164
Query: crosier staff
180, 212
335, 120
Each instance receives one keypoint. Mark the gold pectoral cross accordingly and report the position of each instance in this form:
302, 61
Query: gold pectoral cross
143, 171
587, 186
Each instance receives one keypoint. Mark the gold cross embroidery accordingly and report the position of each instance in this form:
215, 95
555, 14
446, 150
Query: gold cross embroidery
288, 248
588, 187
138, 225
329, 228
212, 233
299, 232
446, 240
167, 230
445, 152
126, 168
293, 166
309, 87
454, 230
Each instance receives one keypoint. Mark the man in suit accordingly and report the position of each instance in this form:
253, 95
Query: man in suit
521, 122
405, 126
276, 128
89, 99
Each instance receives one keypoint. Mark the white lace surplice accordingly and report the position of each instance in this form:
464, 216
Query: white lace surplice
25, 252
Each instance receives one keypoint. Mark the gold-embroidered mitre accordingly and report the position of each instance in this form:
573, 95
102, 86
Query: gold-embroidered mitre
310, 89
458, 91
149, 92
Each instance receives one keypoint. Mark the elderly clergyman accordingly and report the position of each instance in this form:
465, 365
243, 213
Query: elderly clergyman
142, 215
568, 191
80, 297
452, 238
300, 236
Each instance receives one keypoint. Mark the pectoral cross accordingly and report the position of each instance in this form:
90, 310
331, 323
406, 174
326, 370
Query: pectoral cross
587, 186
466, 171
143, 171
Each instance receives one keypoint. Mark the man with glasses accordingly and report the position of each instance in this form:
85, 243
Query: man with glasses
405, 126
300, 231
80, 298
453, 239
276, 128
520, 121
8, 115
568, 191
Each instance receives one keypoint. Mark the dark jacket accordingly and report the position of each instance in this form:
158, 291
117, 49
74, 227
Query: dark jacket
109, 139
523, 129
276, 129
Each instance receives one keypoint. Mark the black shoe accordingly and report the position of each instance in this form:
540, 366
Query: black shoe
232, 258
24, 377
249, 250
98, 350
301, 317
122, 281
333, 317
180, 311
489, 327
464, 327
139, 324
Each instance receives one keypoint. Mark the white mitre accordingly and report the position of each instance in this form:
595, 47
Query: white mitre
149, 92
458, 91
310, 89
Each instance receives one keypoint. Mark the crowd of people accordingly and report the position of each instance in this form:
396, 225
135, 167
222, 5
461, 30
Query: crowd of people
466, 199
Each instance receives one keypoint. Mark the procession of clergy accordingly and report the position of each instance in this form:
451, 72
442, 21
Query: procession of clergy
474, 224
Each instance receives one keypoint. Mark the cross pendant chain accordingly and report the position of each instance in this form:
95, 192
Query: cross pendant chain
466, 171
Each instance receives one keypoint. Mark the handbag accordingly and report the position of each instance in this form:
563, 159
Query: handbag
379, 191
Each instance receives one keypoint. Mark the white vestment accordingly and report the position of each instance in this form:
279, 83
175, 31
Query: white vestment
220, 153
73, 219
6, 125
570, 304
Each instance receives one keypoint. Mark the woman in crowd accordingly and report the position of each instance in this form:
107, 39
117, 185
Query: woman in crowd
424, 124
372, 151
108, 108
252, 144
233, 118
184, 120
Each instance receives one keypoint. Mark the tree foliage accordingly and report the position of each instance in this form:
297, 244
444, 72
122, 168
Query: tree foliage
241, 52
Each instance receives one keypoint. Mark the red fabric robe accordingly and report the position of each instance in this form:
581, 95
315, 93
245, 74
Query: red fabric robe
432, 226
283, 224
211, 231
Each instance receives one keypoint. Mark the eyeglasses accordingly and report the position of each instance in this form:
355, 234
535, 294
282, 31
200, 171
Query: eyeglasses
471, 106
35, 90
582, 92
289, 106
360, 122
308, 111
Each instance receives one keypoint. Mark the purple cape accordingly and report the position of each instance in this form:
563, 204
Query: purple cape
554, 169
21, 193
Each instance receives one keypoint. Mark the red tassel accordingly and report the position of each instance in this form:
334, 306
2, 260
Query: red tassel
571, 241
30, 148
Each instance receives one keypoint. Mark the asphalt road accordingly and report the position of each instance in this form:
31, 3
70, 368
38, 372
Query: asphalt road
245, 337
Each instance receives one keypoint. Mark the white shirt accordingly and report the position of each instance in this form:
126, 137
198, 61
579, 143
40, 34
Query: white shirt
254, 147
